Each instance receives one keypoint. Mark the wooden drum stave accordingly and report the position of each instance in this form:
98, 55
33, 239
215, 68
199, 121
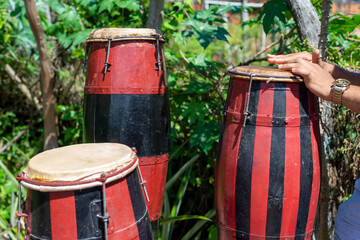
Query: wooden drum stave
129, 102
267, 171
85, 191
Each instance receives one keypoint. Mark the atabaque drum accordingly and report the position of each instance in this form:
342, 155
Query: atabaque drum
85, 191
267, 170
127, 101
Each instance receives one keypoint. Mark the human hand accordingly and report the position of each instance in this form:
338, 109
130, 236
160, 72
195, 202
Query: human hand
316, 78
281, 59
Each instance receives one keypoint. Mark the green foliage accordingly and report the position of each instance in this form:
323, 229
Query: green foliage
275, 13
200, 48
71, 124
343, 41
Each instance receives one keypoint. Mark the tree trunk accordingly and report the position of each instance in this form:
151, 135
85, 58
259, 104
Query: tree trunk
306, 19
156, 14
47, 85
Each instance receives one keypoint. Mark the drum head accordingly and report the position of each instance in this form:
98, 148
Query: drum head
121, 34
262, 73
78, 162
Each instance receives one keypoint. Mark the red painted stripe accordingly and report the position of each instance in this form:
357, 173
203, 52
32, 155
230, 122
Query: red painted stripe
292, 165
153, 171
122, 223
316, 170
133, 68
123, 90
261, 164
63, 215
227, 165
143, 161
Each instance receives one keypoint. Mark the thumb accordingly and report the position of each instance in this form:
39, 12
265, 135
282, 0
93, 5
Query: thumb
316, 57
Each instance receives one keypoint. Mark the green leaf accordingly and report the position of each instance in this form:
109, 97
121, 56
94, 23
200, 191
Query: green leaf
80, 37
197, 87
206, 15
106, 5
129, 4
199, 60
182, 218
70, 17
273, 13
170, 182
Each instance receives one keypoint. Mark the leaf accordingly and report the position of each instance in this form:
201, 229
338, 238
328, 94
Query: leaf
199, 60
189, 2
225, 8
206, 15
70, 17
106, 5
197, 87
56, 7
273, 9
129, 4
205, 134
182, 218
80, 37
64, 40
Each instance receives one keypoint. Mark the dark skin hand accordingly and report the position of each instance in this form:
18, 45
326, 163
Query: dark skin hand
319, 76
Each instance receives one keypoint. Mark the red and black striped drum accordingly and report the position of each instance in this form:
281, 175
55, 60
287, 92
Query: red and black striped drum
85, 191
267, 170
127, 101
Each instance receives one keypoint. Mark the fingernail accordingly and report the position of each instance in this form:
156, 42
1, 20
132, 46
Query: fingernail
293, 69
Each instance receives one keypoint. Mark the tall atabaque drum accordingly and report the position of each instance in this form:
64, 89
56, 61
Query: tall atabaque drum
85, 191
127, 101
267, 171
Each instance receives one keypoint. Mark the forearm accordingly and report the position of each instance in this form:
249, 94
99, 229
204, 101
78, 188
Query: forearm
351, 98
338, 72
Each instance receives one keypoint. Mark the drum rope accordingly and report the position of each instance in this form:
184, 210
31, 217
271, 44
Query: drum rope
247, 113
162, 38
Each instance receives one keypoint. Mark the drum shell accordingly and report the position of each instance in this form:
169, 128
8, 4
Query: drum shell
73, 214
130, 105
267, 173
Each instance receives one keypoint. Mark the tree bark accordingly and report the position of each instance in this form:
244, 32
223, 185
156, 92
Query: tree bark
156, 14
46, 74
328, 119
307, 20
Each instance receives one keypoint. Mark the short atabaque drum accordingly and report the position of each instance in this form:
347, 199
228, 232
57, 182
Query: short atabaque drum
267, 170
85, 191
126, 101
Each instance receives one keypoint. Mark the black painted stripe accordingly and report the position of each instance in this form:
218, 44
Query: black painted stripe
277, 165
40, 215
244, 167
136, 120
306, 176
88, 204
139, 206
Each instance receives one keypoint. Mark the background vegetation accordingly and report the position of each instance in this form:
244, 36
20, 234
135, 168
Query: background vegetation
201, 46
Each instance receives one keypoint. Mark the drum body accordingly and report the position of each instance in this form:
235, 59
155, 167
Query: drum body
61, 209
267, 170
130, 104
